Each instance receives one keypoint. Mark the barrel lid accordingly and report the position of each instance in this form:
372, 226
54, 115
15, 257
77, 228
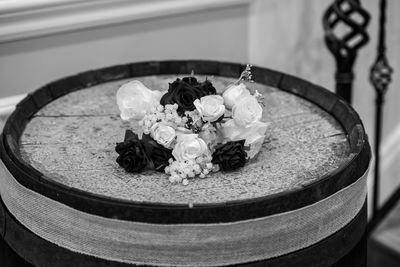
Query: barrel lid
316, 146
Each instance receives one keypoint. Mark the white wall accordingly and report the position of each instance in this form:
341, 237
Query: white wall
218, 33
288, 36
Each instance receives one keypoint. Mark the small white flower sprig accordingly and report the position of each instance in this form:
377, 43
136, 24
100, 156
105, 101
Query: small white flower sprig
204, 132
245, 76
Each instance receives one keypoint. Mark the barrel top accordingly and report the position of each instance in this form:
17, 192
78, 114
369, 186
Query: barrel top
71, 140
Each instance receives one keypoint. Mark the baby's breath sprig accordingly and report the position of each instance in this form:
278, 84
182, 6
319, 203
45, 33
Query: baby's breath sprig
209, 135
194, 121
183, 171
245, 75
167, 115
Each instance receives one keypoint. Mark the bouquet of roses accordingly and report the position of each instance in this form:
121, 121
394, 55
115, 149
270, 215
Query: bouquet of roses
190, 131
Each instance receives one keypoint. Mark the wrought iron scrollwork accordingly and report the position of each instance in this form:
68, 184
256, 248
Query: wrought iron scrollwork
345, 23
381, 72
380, 77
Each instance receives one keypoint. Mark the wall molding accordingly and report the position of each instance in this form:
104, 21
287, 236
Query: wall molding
21, 20
17, 6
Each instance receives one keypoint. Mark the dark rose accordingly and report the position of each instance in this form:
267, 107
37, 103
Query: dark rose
192, 81
157, 153
208, 88
131, 152
230, 156
123, 147
184, 92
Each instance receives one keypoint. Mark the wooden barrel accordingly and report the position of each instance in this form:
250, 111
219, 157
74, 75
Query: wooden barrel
300, 202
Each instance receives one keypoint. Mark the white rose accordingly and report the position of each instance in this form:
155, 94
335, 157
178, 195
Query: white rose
210, 107
254, 134
163, 134
189, 147
182, 130
134, 99
247, 111
233, 93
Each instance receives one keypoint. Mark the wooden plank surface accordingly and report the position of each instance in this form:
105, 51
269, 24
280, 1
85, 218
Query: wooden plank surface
72, 140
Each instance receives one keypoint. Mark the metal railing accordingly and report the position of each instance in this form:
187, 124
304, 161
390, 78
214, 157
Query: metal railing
351, 15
